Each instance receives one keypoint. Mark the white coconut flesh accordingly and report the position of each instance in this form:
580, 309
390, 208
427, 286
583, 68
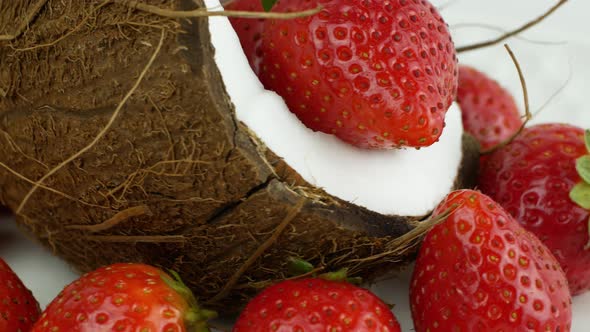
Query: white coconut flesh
406, 182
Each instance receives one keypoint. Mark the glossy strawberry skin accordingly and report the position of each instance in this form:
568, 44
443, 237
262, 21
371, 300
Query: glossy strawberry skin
249, 30
120, 297
531, 178
18, 308
314, 305
377, 74
488, 110
479, 270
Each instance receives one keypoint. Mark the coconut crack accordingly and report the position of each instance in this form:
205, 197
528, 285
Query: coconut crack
231, 206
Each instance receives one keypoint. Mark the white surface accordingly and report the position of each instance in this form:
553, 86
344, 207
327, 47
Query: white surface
402, 182
546, 67
44, 274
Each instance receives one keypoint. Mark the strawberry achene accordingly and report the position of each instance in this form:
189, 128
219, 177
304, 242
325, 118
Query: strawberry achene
124, 297
532, 178
479, 270
18, 309
488, 110
377, 74
316, 305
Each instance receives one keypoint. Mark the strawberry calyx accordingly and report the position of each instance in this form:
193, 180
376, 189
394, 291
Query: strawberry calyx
299, 267
268, 4
341, 275
580, 193
195, 318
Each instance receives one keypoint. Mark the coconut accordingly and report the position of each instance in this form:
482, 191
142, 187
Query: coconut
119, 142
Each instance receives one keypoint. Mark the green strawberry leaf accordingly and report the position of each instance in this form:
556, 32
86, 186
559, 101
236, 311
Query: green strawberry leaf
268, 4
580, 194
583, 167
297, 266
340, 275
587, 139
195, 317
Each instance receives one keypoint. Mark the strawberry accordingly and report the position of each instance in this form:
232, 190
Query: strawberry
532, 178
249, 30
479, 270
124, 297
377, 74
18, 308
489, 111
316, 305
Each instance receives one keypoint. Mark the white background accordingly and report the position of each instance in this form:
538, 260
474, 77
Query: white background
563, 55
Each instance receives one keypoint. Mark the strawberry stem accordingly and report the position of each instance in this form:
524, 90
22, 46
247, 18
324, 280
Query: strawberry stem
528, 115
513, 32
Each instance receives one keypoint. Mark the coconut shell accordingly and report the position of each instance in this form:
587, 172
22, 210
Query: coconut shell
174, 180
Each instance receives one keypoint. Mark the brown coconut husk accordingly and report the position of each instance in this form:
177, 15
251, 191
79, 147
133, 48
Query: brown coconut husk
119, 143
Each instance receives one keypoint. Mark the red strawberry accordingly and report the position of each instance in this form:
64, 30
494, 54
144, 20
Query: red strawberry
18, 308
532, 179
124, 297
489, 111
479, 270
377, 74
316, 305
249, 30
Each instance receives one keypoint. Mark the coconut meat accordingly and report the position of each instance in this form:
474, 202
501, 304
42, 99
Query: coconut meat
406, 182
